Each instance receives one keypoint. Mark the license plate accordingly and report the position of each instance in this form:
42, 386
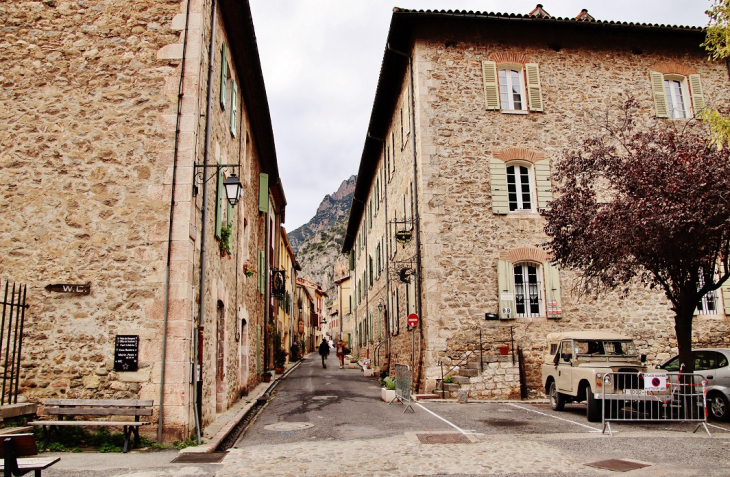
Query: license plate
635, 392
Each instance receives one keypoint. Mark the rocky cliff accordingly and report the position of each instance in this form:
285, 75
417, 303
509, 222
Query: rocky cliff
317, 243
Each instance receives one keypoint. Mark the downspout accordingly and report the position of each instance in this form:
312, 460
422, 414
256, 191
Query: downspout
267, 284
204, 208
160, 416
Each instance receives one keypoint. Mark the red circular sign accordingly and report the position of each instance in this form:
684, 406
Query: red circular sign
412, 319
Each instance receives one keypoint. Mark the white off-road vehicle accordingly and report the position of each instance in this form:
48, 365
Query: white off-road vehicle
576, 364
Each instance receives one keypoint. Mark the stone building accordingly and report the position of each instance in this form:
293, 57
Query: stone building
115, 117
470, 113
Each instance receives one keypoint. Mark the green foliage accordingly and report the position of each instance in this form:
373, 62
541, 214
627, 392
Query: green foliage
389, 382
189, 442
717, 43
57, 447
73, 438
448, 379
225, 243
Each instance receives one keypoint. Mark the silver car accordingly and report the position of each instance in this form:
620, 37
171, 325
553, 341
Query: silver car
714, 365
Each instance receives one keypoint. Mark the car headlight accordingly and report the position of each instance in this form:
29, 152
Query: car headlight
607, 379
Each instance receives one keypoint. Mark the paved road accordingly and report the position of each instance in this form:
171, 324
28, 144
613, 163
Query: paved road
332, 423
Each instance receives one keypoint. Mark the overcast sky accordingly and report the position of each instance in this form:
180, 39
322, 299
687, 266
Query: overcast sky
321, 60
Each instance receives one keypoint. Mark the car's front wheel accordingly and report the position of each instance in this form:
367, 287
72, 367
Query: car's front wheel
557, 400
595, 407
719, 406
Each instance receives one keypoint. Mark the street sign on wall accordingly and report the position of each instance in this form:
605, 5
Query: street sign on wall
412, 320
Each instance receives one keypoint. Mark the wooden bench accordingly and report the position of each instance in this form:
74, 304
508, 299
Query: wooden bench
96, 407
21, 445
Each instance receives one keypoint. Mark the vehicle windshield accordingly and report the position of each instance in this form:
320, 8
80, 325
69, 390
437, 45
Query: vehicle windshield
605, 348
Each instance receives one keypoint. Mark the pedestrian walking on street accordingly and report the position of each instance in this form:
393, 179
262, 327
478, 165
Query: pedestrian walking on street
324, 351
341, 352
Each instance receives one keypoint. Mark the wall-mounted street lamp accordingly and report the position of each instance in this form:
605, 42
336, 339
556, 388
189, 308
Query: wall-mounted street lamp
380, 306
232, 184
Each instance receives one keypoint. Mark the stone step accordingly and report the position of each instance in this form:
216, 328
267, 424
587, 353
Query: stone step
462, 379
471, 372
448, 387
421, 397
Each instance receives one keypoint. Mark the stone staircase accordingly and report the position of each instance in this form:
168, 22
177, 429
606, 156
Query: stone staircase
469, 377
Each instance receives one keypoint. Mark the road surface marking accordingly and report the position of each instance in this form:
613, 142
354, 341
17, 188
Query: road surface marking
447, 422
593, 429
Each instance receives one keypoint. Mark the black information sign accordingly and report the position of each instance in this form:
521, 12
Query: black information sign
126, 351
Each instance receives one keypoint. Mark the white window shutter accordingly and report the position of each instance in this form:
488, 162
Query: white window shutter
534, 92
543, 185
505, 282
234, 108
695, 90
660, 99
554, 306
498, 181
491, 85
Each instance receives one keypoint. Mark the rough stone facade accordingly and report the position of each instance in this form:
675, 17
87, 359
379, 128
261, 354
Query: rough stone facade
94, 145
584, 70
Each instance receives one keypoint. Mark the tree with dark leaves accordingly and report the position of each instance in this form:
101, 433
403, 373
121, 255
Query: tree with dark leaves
649, 206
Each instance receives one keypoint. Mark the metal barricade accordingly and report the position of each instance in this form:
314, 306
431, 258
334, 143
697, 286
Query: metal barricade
652, 397
403, 386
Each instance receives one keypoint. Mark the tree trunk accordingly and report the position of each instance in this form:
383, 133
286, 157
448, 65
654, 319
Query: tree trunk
683, 329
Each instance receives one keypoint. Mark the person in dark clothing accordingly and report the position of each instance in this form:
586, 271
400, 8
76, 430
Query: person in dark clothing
294, 351
324, 351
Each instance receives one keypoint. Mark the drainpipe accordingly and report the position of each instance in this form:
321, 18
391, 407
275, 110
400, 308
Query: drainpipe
204, 209
267, 289
160, 417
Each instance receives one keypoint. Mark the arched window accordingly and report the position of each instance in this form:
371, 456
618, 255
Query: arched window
520, 187
528, 289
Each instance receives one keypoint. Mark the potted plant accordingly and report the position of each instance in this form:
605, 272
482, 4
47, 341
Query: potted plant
225, 242
387, 392
267, 376
248, 268
280, 360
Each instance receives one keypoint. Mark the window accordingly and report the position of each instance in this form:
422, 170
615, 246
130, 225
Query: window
527, 290
224, 77
511, 89
234, 108
677, 96
519, 188
523, 185
512, 86
708, 303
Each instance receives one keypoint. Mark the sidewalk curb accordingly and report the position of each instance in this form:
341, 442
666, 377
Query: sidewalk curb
259, 392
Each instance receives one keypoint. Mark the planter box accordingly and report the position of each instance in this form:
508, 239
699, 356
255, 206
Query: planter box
387, 395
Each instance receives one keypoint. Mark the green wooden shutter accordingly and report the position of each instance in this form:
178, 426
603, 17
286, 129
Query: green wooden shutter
234, 108
258, 349
498, 181
554, 306
491, 85
505, 282
224, 76
543, 184
229, 212
660, 99
263, 192
695, 90
219, 202
534, 92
